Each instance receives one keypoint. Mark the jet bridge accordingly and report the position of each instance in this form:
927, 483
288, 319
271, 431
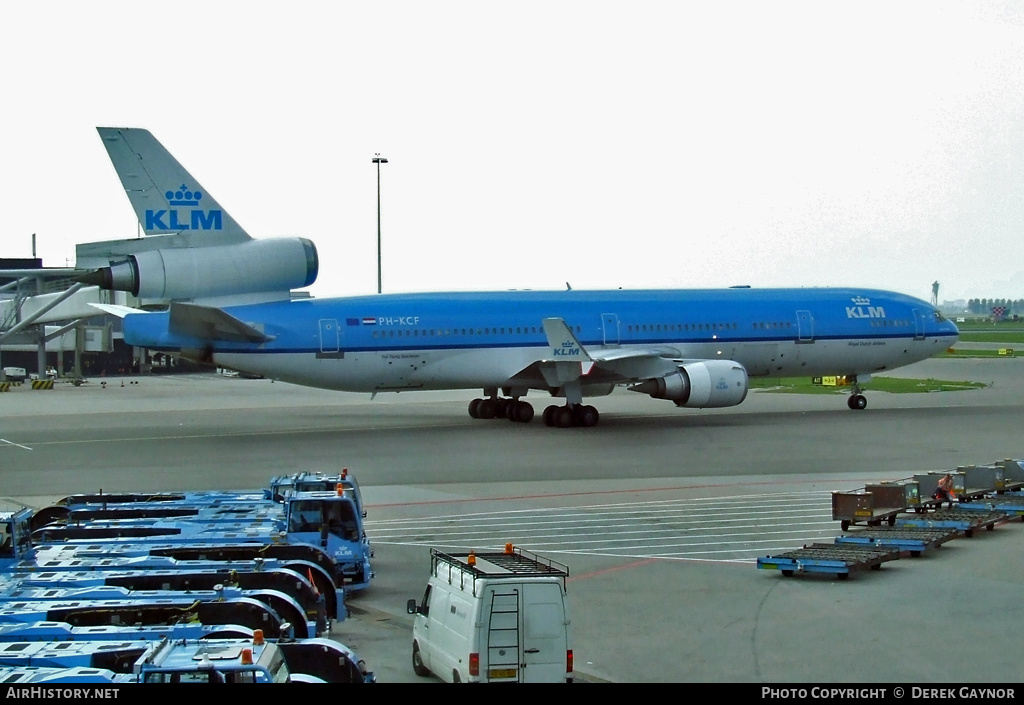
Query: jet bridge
44, 310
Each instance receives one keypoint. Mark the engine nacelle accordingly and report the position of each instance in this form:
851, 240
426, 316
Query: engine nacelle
702, 385
254, 266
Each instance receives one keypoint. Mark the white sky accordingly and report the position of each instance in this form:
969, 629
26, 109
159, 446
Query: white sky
641, 144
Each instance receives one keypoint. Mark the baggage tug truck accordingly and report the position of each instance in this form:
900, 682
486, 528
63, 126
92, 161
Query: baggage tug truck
498, 617
255, 660
329, 521
28, 565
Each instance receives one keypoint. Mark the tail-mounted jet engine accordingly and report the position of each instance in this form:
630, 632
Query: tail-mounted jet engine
702, 385
254, 266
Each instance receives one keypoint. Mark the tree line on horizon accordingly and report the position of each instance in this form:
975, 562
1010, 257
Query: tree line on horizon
985, 307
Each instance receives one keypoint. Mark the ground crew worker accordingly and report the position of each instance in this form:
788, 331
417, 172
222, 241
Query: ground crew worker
944, 490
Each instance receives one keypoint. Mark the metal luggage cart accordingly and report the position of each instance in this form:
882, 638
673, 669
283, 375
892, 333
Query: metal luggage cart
980, 480
874, 505
1013, 475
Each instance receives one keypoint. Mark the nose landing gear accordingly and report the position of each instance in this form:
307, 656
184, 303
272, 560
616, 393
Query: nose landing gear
857, 400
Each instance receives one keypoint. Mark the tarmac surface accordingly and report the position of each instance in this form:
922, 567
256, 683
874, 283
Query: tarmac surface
659, 512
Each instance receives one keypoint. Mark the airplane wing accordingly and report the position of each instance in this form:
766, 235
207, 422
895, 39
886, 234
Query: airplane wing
572, 371
567, 359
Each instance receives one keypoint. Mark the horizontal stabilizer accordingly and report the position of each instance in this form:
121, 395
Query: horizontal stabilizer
209, 323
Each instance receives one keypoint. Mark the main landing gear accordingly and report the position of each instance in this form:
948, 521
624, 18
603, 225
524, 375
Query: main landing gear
522, 412
571, 415
499, 408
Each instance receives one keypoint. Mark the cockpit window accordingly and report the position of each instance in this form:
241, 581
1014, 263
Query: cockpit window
939, 318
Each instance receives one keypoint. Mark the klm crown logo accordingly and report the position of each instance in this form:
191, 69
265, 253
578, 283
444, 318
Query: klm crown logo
183, 197
862, 308
193, 218
568, 349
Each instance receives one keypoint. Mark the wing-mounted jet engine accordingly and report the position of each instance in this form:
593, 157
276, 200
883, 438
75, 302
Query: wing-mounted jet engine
706, 384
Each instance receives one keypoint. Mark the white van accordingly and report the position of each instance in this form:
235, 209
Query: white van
493, 617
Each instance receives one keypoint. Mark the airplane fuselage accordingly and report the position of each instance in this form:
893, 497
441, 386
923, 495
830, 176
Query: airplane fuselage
398, 342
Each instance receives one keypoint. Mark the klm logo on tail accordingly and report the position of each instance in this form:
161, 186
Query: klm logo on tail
568, 349
192, 219
862, 308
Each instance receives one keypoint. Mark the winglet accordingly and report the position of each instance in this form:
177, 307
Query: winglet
563, 344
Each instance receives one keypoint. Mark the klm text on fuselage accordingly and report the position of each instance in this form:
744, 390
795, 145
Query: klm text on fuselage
865, 312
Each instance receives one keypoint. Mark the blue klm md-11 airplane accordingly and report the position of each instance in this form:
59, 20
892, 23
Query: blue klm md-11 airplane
696, 348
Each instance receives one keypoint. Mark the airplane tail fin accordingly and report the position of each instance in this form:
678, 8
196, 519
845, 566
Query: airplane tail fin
166, 198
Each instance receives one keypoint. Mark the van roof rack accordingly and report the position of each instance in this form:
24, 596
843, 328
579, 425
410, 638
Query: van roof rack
512, 562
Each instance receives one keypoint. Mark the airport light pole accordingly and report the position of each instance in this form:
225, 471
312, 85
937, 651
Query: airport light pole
378, 160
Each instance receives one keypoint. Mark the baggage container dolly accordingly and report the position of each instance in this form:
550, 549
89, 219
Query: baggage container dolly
1011, 504
965, 520
905, 539
837, 559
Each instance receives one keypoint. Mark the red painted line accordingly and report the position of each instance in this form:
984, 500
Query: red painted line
595, 573
637, 564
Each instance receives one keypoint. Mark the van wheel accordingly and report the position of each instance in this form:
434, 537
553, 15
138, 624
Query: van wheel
455, 677
417, 661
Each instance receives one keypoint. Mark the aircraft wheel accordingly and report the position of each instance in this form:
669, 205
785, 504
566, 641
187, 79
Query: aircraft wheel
562, 417
486, 409
522, 411
585, 416
474, 408
501, 407
857, 401
549, 415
